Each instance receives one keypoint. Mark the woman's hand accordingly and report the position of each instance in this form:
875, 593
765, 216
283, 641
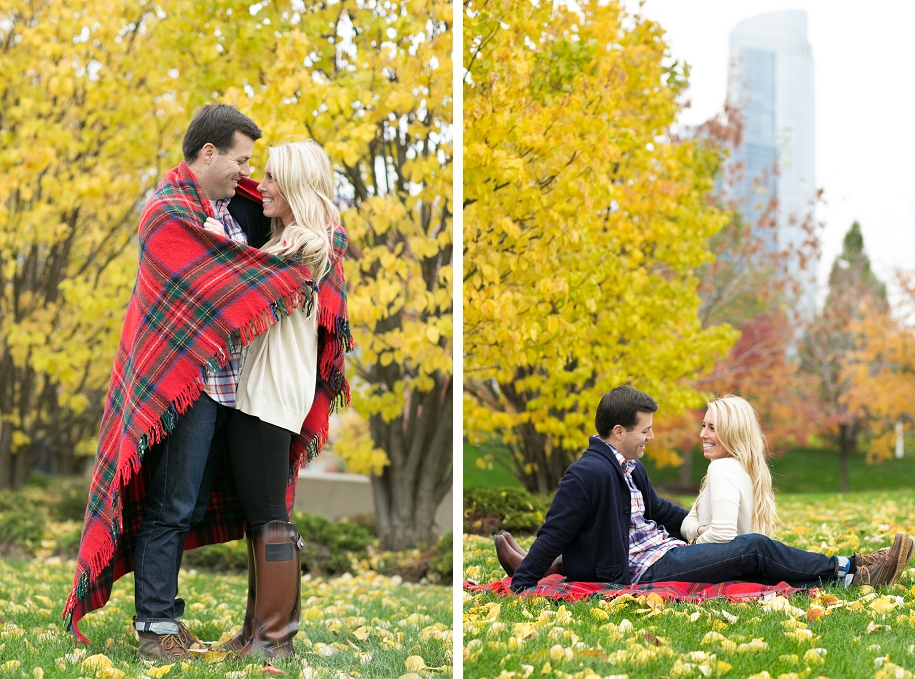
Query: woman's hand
701, 530
216, 227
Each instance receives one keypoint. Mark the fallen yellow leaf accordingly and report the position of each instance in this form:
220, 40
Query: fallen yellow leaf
414, 663
362, 633
157, 672
97, 662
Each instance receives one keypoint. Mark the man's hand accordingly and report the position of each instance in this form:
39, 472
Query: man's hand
216, 227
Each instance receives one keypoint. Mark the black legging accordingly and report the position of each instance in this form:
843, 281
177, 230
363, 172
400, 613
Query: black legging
259, 456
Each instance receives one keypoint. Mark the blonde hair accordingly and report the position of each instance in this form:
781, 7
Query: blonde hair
739, 432
304, 177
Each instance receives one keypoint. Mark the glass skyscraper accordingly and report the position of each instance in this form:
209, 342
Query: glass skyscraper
771, 81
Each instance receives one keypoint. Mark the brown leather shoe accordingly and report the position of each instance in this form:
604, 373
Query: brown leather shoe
883, 566
511, 542
168, 647
871, 558
278, 587
508, 557
555, 568
894, 568
239, 640
190, 640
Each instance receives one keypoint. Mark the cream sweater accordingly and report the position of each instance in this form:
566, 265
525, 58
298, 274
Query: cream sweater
279, 372
725, 505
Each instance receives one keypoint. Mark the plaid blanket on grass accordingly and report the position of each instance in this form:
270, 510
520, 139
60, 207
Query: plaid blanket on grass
556, 587
196, 294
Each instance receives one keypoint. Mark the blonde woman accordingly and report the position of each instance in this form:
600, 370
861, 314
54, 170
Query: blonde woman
276, 389
736, 495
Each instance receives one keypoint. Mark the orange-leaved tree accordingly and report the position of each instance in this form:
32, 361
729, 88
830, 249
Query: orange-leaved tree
830, 350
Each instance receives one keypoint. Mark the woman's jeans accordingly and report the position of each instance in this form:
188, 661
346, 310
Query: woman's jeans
183, 469
751, 557
259, 457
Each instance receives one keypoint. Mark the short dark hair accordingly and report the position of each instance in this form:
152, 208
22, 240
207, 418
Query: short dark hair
216, 124
622, 406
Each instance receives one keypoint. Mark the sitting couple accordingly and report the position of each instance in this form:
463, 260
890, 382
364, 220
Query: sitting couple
202, 441
607, 524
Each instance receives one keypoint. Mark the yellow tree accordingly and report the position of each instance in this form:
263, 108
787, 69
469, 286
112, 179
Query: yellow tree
372, 83
76, 160
584, 223
96, 99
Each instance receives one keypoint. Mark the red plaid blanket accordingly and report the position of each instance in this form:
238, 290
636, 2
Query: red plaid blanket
196, 293
557, 588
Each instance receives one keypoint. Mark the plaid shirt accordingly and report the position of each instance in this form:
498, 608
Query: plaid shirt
221, 386
648, 541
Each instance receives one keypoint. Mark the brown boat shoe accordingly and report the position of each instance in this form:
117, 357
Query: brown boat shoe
884, 566
895, 568
167, 647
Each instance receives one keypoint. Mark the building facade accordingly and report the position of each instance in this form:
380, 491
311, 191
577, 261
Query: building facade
771, 81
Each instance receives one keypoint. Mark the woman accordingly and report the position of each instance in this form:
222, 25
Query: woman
276, 389
736, 494
735, 497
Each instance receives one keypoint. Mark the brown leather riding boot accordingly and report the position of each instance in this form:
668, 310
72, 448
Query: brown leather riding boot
278, 600
555, 568
240, 639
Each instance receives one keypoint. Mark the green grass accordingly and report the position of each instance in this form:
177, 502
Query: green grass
535, 637
800, 470
402, 619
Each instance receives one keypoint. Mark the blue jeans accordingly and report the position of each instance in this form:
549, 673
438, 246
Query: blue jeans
751, 557
183, 471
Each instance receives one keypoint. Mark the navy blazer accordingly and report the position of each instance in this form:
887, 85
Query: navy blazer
588, 521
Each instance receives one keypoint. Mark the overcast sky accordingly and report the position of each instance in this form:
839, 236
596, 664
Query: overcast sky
865, 145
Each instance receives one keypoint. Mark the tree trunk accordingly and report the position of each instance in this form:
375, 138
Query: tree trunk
419, 448
848, 446
685, 482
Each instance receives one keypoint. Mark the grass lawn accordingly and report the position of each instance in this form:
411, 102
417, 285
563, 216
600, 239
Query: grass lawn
800, 470
844, 633
366, 626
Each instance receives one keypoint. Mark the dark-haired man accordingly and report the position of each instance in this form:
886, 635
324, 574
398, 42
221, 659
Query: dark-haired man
609, 525
217, 147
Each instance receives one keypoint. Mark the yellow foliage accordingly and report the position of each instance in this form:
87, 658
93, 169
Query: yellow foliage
355, 446
96, 99
584, 224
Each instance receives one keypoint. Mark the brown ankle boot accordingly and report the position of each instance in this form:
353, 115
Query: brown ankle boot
278, 600
240, 639
555, 568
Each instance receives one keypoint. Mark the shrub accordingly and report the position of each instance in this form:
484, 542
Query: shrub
226, 556
22, 521
68, 499
487, 510
442, 557
328, 545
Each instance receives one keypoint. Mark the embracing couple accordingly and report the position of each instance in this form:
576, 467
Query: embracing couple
229, 364
607, 524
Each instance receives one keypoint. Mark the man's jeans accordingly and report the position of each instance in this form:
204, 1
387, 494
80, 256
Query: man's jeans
751, 557
183, 471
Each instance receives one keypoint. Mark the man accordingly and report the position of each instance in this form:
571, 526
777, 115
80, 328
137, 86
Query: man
217, 147
609, 525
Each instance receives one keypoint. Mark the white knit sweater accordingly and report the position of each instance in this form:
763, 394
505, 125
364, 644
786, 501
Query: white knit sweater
279, 372
725, 505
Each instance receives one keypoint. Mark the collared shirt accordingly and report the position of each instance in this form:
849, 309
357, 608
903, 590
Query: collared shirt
221, 386
648, 541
